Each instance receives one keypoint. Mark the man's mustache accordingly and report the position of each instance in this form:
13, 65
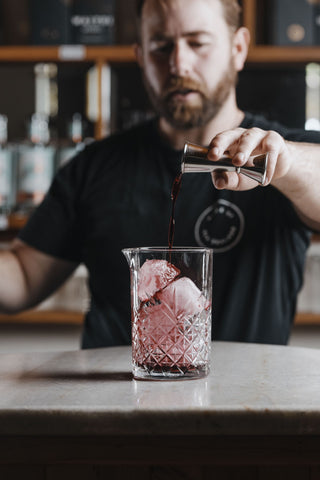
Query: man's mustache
180, 84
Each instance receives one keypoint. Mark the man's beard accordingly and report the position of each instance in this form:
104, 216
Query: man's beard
184, 115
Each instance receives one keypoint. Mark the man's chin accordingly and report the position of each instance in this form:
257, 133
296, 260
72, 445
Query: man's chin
185, 121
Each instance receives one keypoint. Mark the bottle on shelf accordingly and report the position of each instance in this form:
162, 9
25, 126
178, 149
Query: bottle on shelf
36, 159
7, 174
74, 143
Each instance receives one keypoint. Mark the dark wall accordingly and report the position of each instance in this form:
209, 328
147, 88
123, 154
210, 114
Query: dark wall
17, 97
279, 93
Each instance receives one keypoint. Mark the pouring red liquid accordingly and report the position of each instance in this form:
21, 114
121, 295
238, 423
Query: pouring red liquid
174, 195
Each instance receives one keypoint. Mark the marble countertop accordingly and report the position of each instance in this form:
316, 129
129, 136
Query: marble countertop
252, 390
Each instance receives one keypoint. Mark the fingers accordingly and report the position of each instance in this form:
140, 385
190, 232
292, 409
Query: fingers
231, 181
240, 144
226, 141
222, 180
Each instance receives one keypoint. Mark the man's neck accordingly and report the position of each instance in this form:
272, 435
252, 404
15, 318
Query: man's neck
230, 116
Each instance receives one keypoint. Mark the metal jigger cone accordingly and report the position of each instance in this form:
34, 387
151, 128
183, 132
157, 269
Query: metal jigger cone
194, 160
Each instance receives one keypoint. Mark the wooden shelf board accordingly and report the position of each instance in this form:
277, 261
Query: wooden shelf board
76, 318
264, 54
61, 317
114, 53
258, 54
306, 318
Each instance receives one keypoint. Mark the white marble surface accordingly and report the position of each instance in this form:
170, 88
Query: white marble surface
252, 389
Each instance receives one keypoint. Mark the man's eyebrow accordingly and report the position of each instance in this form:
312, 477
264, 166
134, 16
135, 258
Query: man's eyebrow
158, 37
162, 36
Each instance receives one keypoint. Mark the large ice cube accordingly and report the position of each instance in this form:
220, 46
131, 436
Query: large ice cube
154, 275
182, 297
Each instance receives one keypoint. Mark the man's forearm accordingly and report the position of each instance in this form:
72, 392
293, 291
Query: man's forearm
302, 182
13, 286
28, 276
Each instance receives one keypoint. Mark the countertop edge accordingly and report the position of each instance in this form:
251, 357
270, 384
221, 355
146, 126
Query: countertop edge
86, 422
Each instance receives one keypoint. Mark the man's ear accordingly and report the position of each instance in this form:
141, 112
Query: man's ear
240, 47
138, 53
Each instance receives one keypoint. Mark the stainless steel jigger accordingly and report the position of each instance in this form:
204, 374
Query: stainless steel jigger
194, 160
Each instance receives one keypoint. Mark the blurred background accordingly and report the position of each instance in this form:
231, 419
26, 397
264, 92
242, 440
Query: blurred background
68, 76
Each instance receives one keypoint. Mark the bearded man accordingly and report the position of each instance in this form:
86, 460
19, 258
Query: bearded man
116, 193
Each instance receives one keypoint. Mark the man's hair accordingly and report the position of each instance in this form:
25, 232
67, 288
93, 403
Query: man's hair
231, 10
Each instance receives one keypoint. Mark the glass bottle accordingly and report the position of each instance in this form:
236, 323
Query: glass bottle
74, 143
7, 177
35, 165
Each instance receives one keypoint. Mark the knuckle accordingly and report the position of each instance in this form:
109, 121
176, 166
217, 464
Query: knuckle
220, 137
223, 134
272, 134
272, 138
252, 132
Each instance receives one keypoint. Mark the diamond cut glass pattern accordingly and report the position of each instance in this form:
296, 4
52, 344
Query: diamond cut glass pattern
171, 313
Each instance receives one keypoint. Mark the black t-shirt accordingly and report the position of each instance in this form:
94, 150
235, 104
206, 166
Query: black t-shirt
116, 194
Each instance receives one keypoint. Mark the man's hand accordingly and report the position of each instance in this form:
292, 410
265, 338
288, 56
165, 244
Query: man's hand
240, 144
293, 167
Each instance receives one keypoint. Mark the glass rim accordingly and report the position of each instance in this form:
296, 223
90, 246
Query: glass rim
167, 249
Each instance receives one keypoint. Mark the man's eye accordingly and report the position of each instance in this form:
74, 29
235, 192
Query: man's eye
198, 44
162, 48
165, 48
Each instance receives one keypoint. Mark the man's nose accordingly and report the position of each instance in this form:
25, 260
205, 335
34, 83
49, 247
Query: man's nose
180, 60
